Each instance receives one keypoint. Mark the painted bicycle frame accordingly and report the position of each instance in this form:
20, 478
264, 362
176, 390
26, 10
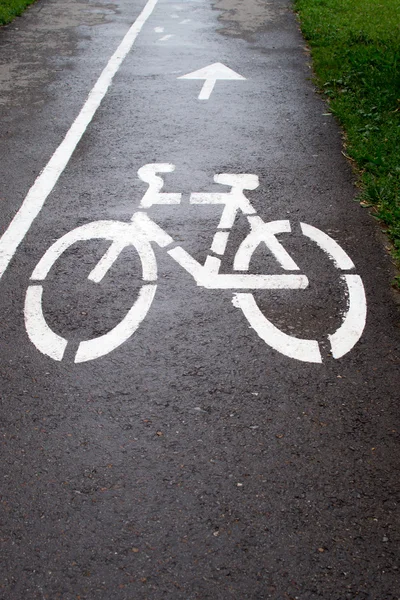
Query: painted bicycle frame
141, 232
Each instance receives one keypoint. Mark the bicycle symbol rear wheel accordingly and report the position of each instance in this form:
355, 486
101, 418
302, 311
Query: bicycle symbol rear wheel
120, 235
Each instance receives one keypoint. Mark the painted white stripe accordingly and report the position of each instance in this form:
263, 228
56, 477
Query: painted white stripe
166, 38
304, 350
264, 232
106, 262
213, 281
159, 29
207, 89
212, 265
209, 278
39, 332
121, 234
348, 334
100, 346
153, 195
187, 262
219, 242
48, 178
341, 259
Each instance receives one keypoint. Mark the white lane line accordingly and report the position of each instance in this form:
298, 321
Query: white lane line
185, 22
165, 38
48, 178
159, 29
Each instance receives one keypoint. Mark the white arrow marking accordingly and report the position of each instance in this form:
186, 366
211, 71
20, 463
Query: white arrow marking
211, 74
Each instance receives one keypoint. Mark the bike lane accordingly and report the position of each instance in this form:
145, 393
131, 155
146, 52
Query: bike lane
194, 460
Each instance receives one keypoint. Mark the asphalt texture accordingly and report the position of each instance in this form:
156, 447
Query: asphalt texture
194, 461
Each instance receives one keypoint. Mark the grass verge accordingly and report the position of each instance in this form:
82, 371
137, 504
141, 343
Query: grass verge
12, 8
355, 47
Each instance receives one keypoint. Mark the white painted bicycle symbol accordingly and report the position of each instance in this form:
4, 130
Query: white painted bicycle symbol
141, 232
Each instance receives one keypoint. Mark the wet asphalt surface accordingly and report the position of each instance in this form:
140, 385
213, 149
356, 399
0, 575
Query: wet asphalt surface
194, 461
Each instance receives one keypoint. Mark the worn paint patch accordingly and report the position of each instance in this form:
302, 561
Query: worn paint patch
244, 17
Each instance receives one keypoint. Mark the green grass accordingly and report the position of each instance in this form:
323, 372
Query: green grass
355, 46
9, 9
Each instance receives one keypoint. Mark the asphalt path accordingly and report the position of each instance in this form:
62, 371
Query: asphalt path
200, 451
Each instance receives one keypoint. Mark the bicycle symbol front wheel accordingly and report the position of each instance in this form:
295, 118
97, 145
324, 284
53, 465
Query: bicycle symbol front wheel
120, 235
305, 350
